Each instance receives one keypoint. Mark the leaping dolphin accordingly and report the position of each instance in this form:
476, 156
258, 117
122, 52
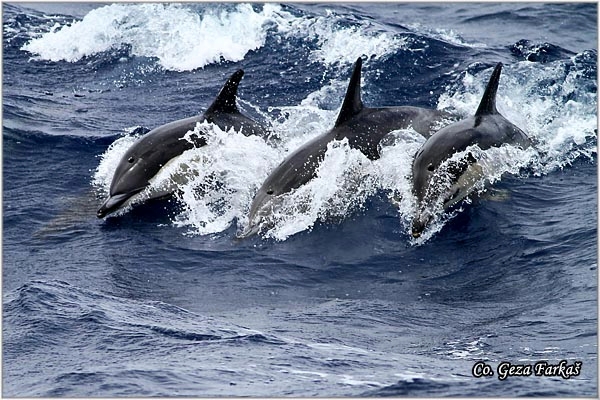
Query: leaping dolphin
151, 152
439, 180
364, 127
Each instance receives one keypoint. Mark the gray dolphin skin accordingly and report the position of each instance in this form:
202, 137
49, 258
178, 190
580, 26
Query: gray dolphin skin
364, 128
431, 166
151, 152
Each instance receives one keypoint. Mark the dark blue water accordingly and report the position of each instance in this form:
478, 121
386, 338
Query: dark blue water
339, 300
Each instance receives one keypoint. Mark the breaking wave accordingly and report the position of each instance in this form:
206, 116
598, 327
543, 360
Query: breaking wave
183, 37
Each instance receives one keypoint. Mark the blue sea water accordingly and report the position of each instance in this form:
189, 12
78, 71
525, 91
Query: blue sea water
336, 299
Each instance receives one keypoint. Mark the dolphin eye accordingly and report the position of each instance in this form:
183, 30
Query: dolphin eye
270, 192
430, 167
130, 160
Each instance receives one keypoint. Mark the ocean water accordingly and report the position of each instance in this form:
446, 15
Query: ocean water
337, 298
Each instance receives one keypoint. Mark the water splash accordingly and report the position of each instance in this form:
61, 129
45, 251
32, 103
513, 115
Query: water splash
339, 44
554, 103
343, 182
183, 38
446, 35
180, 38
227, 172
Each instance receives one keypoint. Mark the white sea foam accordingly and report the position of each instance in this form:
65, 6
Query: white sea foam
177, 35
227, 173
342, 184
343, 45
184, 38
446, 35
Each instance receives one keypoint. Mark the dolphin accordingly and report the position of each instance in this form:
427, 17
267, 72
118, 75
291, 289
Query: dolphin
151, 152
438, 178
364, 127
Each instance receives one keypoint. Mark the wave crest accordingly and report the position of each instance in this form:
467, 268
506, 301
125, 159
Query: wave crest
180, 38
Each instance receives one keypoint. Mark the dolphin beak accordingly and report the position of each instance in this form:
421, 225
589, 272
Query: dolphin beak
254, 224
261, 207
249, 231
113, 203
419, 224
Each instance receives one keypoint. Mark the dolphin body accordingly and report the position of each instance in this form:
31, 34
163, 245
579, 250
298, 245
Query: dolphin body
151, 152
364, 127
432, 164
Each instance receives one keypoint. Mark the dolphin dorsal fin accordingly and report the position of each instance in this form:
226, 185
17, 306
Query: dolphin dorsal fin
352, 102
488, 102
225, 101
